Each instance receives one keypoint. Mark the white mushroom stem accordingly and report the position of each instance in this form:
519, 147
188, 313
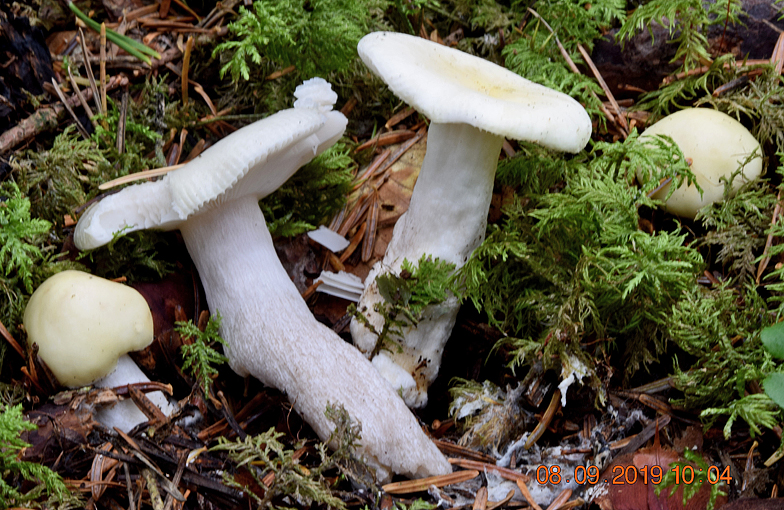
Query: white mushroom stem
273, 336
446, 218
270, 332
124, 414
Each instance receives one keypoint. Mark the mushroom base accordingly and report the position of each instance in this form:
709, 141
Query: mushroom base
273, 336
124, 414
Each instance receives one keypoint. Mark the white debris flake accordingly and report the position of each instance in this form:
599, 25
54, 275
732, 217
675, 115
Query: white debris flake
572, 370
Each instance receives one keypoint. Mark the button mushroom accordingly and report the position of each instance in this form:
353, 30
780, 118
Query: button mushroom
472, 104
717, 145
84, 326
269, 329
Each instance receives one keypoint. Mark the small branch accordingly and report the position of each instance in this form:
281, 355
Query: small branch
44, 119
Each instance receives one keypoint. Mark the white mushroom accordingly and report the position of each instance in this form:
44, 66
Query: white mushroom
269, 330
472, 104
717, 145
84, 326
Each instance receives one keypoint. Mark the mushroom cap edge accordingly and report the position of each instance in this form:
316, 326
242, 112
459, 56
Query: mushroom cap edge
450, 86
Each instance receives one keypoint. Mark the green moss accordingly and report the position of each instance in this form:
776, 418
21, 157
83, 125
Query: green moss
265, 453
407, 295
318, 38
200, 357
687, 22
47, 482
312, 195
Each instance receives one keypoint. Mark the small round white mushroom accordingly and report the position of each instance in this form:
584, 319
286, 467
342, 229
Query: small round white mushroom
268, 327
84, 326
472, 104
717, 145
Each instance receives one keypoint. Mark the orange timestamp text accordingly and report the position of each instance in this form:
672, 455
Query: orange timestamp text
628, 475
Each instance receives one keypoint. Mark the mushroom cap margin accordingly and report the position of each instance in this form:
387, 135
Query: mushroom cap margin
450, 86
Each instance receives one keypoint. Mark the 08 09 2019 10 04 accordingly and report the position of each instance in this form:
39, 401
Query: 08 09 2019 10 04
628, 475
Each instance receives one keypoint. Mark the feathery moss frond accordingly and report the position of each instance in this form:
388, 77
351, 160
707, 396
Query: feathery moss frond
12, 424
200, 357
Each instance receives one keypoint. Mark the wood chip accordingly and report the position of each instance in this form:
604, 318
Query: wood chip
423, 484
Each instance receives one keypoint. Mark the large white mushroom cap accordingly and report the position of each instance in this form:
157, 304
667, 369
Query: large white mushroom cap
450, 86
255, 160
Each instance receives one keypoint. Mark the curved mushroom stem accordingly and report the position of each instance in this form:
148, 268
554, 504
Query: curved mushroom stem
124, 414
273, 336
446, 219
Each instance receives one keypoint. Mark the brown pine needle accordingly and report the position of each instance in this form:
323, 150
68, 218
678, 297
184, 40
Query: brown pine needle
70, 110
549, 414
103, 67
186, 61
423, 484
354, 242
492, 505
389, 138
561, 500
399, 117
505, 473
607, 92
370, 236
769, 241
89, 69
777, 58
145, 174
11, 341
527, 495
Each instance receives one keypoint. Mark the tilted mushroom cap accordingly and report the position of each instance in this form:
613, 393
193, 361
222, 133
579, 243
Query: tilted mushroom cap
255, 160
450, 86
717, 145
83, 324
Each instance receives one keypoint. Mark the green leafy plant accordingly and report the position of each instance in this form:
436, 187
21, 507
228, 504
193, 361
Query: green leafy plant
12, 424
695, 464
312, 195
756, 409
573, 265
536, 56
407, 294
265, 453
18, 232
200, 357
319, 39
132, 46
687, 22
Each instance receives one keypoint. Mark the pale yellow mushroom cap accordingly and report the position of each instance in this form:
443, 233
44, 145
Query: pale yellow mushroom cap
453, 87
83, 323
717, 146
